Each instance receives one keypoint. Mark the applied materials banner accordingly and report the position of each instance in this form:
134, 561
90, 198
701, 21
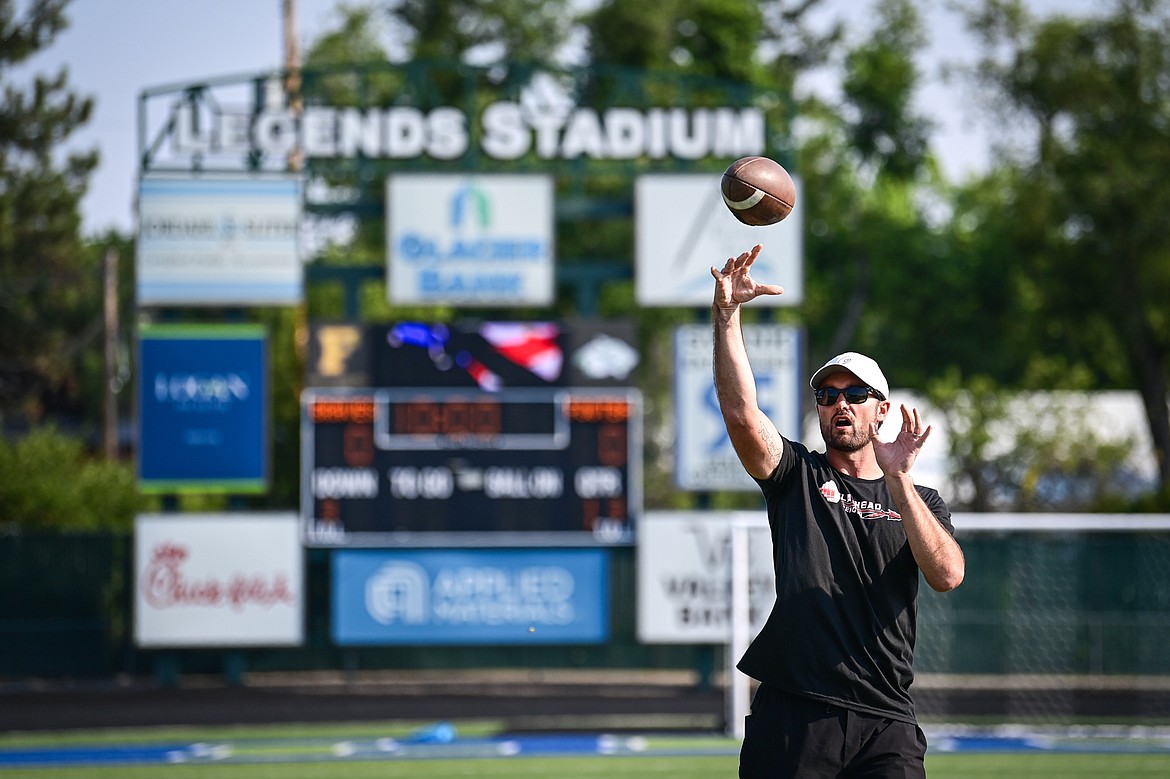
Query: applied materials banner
472, 596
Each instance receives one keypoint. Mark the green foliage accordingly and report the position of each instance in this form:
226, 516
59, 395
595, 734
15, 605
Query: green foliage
483, 31
41, 278
286, 367
799, 36
337, 59
865, 169
52, 364
354, 42
1087, 194
1012, 451
51, 482
763, 42
717, 38
880, 81
633, 34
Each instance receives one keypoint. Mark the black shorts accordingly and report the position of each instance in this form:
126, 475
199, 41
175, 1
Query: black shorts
793, 736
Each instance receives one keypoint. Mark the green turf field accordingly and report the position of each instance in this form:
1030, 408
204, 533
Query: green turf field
952, 766
310, 752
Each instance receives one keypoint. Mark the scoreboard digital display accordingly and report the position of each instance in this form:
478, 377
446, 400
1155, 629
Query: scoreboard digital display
413, 467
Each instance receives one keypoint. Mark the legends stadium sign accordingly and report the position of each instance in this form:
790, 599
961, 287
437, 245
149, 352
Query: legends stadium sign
232, 124
503, 131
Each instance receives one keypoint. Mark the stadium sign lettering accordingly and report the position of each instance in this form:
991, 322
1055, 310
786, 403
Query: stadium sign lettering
506, 131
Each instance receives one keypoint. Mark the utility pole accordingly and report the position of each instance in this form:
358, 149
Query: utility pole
292, 73
110, 316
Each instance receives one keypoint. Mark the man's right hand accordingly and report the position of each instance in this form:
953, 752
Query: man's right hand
734, 284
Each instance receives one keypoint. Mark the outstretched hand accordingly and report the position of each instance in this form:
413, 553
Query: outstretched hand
734, 284
898, 456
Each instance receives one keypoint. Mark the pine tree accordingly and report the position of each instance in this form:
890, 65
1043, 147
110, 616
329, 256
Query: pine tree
50, 286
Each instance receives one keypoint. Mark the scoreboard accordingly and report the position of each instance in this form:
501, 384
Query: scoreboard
415, 467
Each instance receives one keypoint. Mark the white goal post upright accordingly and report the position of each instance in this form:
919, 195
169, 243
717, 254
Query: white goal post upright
739, 685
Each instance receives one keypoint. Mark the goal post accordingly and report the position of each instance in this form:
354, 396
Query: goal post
744, 624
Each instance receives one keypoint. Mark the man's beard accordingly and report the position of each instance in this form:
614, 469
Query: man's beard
845, 439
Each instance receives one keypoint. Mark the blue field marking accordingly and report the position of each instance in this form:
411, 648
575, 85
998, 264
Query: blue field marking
972, 744
987, 744
299, 750
89, 755
441, 741
1109, 739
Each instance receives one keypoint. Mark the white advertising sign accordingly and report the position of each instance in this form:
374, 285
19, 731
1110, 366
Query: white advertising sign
682, 228
704, 457
684, 577
470, 240
219, 241
218, 580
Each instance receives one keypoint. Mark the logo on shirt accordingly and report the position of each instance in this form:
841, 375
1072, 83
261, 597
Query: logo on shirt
869, 509
866, 509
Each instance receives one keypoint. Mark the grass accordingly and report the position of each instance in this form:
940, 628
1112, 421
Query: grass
303, 752
950, 766
1046, 766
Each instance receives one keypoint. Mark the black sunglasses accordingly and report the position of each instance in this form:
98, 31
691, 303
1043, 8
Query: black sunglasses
827, 396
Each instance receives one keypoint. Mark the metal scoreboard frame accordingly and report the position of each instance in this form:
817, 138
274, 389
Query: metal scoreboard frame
416, 467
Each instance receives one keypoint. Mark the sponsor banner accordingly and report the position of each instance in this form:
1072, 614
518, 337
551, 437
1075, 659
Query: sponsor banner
684, 577
486, 355
218, 580
705, 459
218, 241
203, 408
682, 228
473, 596
482, 240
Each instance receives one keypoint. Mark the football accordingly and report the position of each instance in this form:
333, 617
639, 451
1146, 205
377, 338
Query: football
758, 191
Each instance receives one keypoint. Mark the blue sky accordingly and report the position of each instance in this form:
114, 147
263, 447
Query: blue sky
116, 48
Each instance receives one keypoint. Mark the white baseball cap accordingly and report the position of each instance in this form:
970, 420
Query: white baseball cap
859, 365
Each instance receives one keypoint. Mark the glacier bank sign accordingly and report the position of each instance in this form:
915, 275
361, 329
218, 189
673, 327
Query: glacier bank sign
475, 240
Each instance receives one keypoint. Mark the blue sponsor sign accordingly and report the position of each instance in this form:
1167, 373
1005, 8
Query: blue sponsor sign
704, 457
470, 596
202, 404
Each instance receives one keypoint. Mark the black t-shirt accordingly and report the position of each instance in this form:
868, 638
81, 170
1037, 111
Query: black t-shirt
843, 626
